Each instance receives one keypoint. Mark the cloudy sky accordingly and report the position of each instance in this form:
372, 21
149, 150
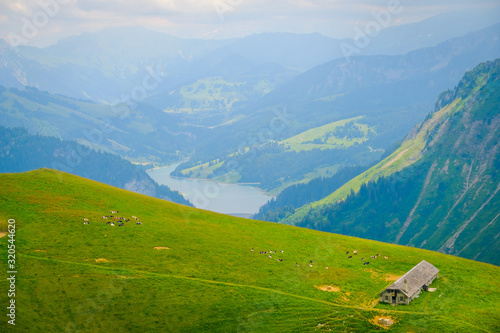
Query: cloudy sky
43, 22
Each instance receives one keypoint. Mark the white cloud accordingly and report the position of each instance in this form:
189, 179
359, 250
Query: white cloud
214, 18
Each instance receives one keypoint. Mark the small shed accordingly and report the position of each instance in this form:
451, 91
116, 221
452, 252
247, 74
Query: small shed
407, 287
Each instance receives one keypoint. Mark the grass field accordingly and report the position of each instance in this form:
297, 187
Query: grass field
188, 270
324, 137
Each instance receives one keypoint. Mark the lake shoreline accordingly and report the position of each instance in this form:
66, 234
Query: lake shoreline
210, 180
237, 199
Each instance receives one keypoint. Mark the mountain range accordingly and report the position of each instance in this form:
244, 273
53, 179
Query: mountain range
378, 160
439, 189
389, 94
270, 109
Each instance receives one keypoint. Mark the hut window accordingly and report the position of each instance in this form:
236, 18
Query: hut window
401, 298
386, 298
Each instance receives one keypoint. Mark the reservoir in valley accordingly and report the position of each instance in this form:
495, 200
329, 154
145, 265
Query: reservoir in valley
234, 199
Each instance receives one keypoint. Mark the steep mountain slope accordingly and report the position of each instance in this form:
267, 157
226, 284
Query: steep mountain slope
440, 190
296, 196
187, 270
20, 152
133, 131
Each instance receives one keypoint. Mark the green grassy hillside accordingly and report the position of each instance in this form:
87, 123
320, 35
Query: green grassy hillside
337, 135
188, 270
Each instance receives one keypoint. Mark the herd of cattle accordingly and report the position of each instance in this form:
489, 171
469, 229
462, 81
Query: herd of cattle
119, 220
355, 252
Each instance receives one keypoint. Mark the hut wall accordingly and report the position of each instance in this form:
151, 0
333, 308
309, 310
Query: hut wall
400, 298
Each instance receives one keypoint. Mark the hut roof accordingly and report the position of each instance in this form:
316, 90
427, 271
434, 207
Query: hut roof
415, 278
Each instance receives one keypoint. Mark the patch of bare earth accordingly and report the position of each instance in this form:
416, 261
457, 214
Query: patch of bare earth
384, 322
40, 250
392, 277
102, 260
161, 248
2, 233
328, 288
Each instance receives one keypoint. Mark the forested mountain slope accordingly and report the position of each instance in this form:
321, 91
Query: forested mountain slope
20, 152
439, 189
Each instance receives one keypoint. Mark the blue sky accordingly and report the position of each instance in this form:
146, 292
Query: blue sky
56, 19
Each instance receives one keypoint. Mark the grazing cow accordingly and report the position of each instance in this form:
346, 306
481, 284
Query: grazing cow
271, 257
386, 257
347, 252
326, 267
86, 222
103, 217
112, 224
378, 254
251, 249
355, 251
366, 263
372, 257
282, 251
311, 261
349, 257
296, 264
108, 222
85, 219
310, 265
139, 223
362, 259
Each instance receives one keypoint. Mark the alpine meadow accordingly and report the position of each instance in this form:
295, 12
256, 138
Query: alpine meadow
248, 166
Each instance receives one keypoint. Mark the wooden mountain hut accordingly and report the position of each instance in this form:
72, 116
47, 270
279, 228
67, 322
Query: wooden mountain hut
410, 285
